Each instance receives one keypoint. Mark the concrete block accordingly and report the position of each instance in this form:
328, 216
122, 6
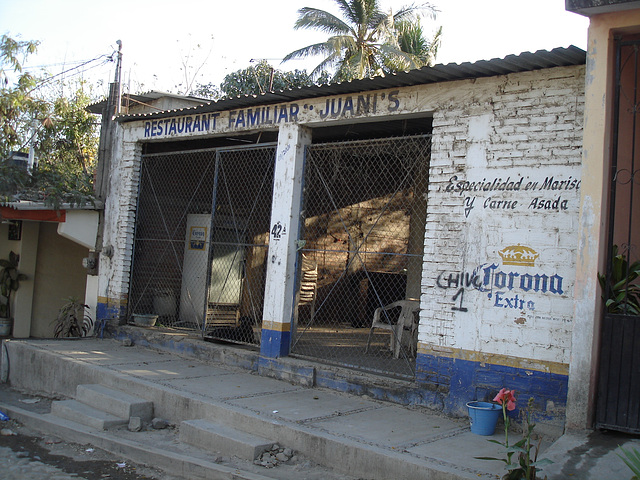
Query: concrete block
115, 402
85, 415
212, 436
159, 423
135, 424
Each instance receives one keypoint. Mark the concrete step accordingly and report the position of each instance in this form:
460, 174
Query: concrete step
215, 437
115, 402
85, 415
162, 452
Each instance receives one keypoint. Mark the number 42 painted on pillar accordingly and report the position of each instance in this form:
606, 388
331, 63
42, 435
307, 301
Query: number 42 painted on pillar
278, 230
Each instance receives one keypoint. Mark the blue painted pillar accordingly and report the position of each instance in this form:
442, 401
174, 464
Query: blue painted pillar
281, 259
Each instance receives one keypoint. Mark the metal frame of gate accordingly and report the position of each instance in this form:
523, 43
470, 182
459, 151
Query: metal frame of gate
361, 249
619, 363
200, 242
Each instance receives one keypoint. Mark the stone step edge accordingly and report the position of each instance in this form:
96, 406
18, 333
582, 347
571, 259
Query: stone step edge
138, 452
216, 437
114, 401
84, 414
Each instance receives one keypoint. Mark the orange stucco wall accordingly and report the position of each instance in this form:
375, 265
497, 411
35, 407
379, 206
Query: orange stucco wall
593, 211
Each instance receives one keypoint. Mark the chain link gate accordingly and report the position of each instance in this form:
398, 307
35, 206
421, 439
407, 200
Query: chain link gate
360, 264
200, 245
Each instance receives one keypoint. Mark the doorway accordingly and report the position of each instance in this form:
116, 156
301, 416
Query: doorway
618, 391
362, 245
202, 229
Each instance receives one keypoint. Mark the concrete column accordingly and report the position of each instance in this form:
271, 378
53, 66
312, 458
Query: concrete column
91, 295
23, 297
592, 234
285, 223
116, 233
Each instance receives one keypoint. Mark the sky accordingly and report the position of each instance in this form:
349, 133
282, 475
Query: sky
207, 39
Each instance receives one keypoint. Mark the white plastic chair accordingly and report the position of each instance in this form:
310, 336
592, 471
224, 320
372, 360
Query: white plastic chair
407, 322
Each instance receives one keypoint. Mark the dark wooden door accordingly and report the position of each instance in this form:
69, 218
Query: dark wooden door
618, 404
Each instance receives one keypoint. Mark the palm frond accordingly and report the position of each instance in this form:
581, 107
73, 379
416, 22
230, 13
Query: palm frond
317, 19
347, 11
329, 62
414, 11
309, 50
395, 59
367, 41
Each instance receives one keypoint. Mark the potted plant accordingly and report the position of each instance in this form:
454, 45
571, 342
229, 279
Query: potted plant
620, 294
10, 279
521, 460
73, 320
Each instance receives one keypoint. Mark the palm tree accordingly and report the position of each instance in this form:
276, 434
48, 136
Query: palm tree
411, 40
368, 41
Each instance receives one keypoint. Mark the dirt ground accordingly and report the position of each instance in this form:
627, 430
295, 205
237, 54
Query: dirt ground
83, 461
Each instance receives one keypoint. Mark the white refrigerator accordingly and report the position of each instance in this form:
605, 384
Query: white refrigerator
225, 272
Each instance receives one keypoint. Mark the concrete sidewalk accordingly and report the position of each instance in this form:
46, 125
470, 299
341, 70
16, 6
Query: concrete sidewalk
349, 436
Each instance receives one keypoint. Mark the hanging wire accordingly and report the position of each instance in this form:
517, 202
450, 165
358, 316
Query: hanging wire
45, 81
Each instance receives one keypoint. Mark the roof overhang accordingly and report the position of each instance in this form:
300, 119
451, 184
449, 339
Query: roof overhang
541, 59
38, 211
589, 8
145, 99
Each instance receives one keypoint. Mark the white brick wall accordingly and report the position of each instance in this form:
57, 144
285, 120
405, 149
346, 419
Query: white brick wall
532, 130
120, 219
526, 125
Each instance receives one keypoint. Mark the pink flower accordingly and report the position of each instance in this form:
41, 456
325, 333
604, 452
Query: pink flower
507, 396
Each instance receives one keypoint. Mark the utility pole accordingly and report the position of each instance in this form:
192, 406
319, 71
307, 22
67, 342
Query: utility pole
105, 149
117, 79
111, 109
105, 153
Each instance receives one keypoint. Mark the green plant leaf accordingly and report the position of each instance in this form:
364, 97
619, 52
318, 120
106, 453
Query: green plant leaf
620, 294
515, 474
632, 459
73, 320
542, 461
516, 448
622, 283
491, 458
496, 442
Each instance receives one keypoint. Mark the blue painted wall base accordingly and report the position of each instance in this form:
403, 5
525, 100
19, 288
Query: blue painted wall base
275, 344
107, 311
468, 381
442, 383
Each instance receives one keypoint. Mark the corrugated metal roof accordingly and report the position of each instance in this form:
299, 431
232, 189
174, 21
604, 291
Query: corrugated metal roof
527, 61
597, 7
143, 98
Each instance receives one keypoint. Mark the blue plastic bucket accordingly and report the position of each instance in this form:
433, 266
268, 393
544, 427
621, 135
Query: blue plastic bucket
484, 417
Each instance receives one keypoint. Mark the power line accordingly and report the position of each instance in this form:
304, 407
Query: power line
108, 58
40, 67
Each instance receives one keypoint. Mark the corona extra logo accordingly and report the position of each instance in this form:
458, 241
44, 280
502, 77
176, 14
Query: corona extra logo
518, 255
